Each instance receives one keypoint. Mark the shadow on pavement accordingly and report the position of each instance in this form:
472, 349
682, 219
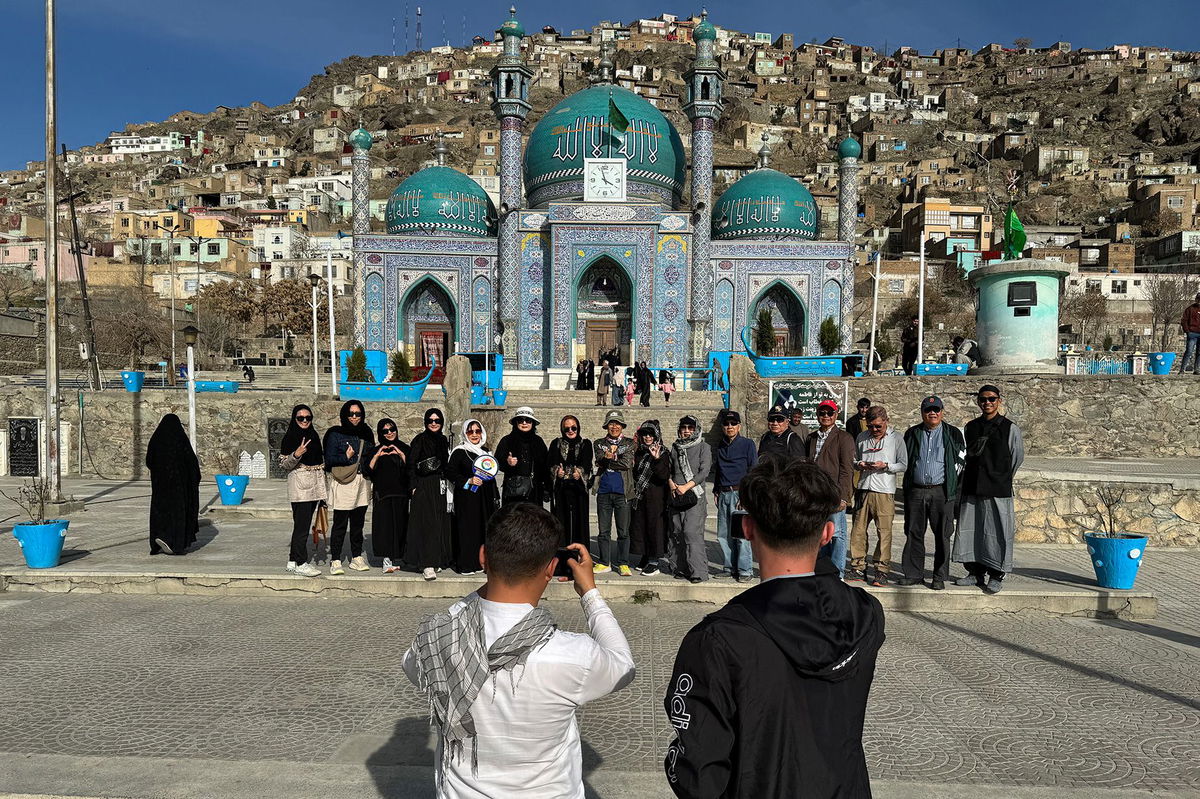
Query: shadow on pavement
1153, 631
1056, 577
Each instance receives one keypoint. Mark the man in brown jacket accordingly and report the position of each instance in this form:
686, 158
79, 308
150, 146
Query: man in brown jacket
833, 450
1190, 325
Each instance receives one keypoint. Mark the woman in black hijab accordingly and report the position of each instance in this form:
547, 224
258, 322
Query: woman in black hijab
387, 467
349, 490
570, 464
174, 488
475, 499
651, 470
300, 456
429, 545
522, 458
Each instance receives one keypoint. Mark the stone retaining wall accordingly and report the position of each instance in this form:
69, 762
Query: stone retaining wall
1051, 510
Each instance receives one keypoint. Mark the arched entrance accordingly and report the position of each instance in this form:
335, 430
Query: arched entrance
603, 310
787, 316
427, 322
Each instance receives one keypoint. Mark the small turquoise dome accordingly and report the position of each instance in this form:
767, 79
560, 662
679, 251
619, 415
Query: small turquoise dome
361, 139
578, 128
765, 203
440, 201
705, 30
849, 148
512, 27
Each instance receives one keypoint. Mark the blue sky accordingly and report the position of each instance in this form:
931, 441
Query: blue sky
135, 61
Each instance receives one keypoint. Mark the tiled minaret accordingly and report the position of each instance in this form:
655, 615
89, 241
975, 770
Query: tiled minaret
849, 152
360, 192
704, 105
510, 84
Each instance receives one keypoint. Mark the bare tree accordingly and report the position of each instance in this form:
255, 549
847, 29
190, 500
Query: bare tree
1085, 309
1167, 295
12, 285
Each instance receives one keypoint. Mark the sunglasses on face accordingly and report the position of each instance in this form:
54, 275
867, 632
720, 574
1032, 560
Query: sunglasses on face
303, 418
876, 426
354, 415
932, 410
524, 421
825, 412
730, 424
687, 427
988, 399
435, 421
570, 429
777, 420
474, 431
389, 430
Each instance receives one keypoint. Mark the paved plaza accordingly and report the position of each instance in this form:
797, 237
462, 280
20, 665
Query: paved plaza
296, 695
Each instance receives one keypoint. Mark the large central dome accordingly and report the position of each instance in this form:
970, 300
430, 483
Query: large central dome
578, 128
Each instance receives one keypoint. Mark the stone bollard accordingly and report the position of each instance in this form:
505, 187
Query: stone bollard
457, 383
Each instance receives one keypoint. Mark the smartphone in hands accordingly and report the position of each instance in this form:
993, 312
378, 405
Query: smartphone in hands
563, 567
736, 520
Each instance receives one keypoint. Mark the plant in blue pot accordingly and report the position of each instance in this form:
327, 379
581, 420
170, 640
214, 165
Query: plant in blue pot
41, 539
231, 486
1115, 555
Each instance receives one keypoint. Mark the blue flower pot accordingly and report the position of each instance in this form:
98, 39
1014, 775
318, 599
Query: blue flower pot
133, 380
1161, 363
1116, 560
499, 397
232, 488
41, 544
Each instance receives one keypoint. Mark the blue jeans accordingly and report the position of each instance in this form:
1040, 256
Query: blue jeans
726, 502
836, 548
1191, 353
608, 506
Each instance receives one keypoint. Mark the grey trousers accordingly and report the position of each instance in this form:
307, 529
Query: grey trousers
685, 546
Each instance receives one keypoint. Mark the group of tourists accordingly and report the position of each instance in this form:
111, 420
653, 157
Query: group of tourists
622, 386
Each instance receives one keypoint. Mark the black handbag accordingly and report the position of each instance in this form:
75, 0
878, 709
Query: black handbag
428, 466
517, 487
684, 501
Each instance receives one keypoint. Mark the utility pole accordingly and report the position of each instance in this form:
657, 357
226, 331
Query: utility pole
93, 357
50, 447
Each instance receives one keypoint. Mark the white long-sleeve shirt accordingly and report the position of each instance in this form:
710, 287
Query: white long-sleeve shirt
889, 449
528, 739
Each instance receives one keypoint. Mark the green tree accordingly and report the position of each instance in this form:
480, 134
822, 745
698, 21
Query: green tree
356, 367
401, 369
764, 333
829, 337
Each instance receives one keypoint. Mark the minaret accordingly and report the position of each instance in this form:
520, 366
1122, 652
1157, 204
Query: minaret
848, 153
510, 84
704, 105
360, 192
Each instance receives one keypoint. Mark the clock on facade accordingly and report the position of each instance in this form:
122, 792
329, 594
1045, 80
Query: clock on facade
604, 179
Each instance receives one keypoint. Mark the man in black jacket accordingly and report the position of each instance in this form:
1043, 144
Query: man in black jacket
769, 693
779, 439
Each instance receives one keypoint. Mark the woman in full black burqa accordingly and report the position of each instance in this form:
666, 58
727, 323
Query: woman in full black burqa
521, 456
174, 488
428, 521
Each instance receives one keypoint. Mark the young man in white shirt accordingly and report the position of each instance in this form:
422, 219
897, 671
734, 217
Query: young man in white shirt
502, 682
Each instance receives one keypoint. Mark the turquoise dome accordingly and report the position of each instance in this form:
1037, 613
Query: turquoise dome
765, 203
578, 127
361, 139
440, 201
511, 27
705, 30
849, 148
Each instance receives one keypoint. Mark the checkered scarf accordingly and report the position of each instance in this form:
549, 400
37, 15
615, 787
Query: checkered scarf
452, 666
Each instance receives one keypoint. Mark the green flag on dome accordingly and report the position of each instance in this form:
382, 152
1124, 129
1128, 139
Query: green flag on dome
1014, 236
616, 120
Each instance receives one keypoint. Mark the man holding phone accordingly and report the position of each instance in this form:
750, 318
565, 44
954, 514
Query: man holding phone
502, 681
879, 457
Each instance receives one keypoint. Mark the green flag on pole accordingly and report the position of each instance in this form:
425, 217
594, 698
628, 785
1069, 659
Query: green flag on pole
1014, 236
616, 120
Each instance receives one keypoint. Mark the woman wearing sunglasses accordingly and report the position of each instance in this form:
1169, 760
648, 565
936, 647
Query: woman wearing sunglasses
570, 462
475, 497
300, 457
349, 490
691, 461
429, 544
387, 468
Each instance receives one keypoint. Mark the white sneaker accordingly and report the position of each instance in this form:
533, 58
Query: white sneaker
429, 574
306, 570
389, 567
359, 564
291, 566
335, 567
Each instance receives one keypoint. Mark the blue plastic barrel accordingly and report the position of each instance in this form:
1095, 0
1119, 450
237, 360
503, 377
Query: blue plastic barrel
232, 488
1116, 560
133, 380
1161, 363
41, 544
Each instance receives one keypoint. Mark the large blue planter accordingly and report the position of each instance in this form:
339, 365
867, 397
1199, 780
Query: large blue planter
941, 368
1116, 560
41, 544
232, 488
133, 380
223, 386
1161, 363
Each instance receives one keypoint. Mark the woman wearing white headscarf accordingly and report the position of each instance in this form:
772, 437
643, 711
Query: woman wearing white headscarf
475, 498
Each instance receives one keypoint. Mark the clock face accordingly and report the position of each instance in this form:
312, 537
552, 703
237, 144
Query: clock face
604, 179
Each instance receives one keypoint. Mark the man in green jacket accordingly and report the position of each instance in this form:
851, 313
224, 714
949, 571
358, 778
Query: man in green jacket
936, 451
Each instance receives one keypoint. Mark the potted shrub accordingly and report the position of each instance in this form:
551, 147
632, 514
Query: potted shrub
1115, 556
41, 539
231, 486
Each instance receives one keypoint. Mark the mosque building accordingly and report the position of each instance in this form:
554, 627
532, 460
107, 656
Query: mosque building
595, 244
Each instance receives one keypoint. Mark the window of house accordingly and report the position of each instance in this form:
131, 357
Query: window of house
168, 221
193, 249
277, 240
1174, 202
156, 249
1022, 293
1092, 287
1118, 287
124, 223
276, 255
896, 286
176, 249
214, 249
33, 254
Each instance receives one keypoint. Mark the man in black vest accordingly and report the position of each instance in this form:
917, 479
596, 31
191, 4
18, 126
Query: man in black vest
935, 461
986, 520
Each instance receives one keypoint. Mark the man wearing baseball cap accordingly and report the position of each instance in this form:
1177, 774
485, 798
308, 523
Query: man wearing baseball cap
833, 450
779, 440
936, 450
735, 456
614, 468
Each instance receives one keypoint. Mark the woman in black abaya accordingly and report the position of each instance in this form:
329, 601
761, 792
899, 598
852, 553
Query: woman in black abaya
387, 468
429, 523
472, 508
301, 458
174, 488
349, 489
570, 463
522, 458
